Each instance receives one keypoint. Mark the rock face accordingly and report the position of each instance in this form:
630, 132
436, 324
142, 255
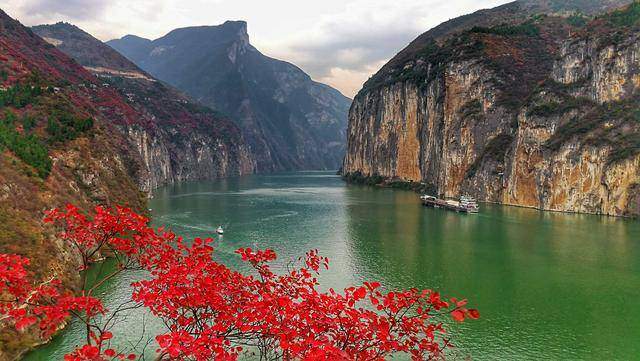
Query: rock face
539, 111
290, 121
177, 139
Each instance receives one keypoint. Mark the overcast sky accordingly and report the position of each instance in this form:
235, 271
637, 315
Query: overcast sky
338, 42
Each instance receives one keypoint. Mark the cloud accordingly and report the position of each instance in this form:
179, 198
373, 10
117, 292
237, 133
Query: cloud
349, 81
340, 42
344, 48
71, 9
104, 19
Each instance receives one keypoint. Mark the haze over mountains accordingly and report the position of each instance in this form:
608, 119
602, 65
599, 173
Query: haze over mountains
290, 121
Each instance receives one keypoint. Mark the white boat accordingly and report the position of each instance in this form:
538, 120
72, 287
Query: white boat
219, 230
426, 197
469, 203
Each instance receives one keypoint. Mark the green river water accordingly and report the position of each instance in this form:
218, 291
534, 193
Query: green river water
549, 286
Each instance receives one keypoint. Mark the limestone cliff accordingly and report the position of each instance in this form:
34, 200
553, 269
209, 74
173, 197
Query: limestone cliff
540, 111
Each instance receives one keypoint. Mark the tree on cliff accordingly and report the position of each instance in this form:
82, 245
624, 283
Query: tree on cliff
214, 312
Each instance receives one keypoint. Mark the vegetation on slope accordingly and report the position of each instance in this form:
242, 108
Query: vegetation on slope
525, 29
613, 124
40, 170
627, 16
28, 147
495, 150
20, 95
21, 138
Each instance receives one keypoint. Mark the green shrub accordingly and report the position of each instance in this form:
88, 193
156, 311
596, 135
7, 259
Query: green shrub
561, 107
577, 20
628, 146
19, 95
471, 108
524, 29
62, 126
496, 149
28, 148
358, 178
544, 110
28, 122
625, 17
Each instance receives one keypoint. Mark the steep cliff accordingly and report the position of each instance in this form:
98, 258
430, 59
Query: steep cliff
178, 139
290, 121
532, 110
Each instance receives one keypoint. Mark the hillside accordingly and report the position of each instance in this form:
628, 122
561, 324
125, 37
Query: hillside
290, 121
529, 104
511, 13
58, 144
68, 135
178, 139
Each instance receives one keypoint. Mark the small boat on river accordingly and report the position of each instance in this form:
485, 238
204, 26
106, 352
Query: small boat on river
219, 230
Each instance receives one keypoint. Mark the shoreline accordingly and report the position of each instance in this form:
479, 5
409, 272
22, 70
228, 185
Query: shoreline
357, 178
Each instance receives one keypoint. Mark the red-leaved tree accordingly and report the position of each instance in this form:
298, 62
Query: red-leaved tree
214, 312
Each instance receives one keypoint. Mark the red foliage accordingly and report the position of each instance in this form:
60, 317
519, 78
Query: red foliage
214, 312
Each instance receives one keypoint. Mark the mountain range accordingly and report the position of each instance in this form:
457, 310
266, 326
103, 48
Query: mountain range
290, 121
533, 103
178, 139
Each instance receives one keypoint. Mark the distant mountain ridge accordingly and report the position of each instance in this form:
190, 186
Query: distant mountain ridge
290, 121
178, 139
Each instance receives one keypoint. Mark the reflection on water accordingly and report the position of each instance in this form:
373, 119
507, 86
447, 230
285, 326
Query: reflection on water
548, 285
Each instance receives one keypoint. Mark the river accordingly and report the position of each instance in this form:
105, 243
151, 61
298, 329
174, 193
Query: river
548, 285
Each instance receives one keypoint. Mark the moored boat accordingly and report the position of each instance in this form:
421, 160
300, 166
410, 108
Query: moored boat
465, 204
470, 203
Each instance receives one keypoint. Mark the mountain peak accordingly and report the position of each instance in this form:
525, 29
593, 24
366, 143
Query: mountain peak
240, 26
83, 47
289, 121
132, 37
229, 31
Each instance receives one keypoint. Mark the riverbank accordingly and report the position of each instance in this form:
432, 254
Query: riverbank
502, 260
385, 182
358, 178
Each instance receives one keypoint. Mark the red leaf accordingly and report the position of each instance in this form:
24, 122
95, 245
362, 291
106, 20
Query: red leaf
474, 314
25, 322
458, 315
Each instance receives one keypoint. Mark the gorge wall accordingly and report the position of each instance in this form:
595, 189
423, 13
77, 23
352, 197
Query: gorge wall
539, 111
